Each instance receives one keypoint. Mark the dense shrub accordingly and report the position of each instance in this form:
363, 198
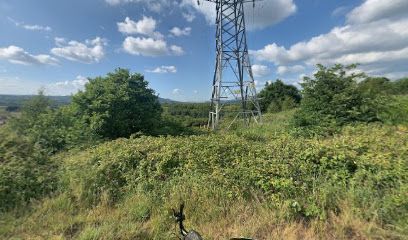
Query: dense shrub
400, 86
26, 172
394, 110
365, 165
118, 105
51, 129
278, 96
333, 98
373, 86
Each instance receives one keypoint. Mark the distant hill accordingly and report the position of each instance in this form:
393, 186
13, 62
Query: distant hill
17, 100
166, 100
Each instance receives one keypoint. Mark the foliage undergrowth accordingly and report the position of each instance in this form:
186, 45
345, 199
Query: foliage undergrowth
261, 182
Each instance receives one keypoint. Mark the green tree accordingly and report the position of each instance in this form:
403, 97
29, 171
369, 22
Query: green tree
52, 129
118, 105
333, 97
277, 92
375, 85
31, 111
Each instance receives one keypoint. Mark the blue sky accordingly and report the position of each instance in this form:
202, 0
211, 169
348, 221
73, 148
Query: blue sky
56, 45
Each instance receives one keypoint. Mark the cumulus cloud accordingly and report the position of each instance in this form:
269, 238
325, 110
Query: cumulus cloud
178, 32
164, 69
66, 88
145, 46
282, 70
90, 51
154, 44
145, 26
150, 47
373, 40
372, 10
18, 55
265, 13
153, 5
260, 70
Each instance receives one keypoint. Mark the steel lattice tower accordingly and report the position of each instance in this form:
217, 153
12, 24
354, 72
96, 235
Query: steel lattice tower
233, 77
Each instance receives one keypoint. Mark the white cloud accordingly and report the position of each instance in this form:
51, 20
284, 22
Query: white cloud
374, 40
66, 88
37, 28
189, 16
282, 70
177, 92
164, 69
153, 5
145, 26
372, 10
260, 70
265, 13
150, 47
145, 46
91, 51
340, 11
18, 55
178, 32
176, 50
30, 27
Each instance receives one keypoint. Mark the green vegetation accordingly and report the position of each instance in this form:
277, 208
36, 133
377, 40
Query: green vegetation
277, 96
333, 98
284, 179
26, 172
188, 114
118, 105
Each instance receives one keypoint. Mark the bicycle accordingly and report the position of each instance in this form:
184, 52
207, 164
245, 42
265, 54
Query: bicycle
192, 234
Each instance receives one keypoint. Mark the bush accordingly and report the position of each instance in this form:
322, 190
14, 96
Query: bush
400, 87
51, 129
395, 110
333, 97
26, 172
373, 86
274, 107
313, 176
288, 104
277, 93
118, 105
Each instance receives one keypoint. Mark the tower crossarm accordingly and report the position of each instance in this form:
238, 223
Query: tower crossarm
243, 1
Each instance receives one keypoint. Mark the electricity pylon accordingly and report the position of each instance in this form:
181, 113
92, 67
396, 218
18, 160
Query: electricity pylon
233, 77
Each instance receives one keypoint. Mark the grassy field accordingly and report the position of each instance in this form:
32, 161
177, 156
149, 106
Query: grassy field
263, 182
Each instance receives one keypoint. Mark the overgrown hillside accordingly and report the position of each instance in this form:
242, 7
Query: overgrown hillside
332, 165
260, 182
